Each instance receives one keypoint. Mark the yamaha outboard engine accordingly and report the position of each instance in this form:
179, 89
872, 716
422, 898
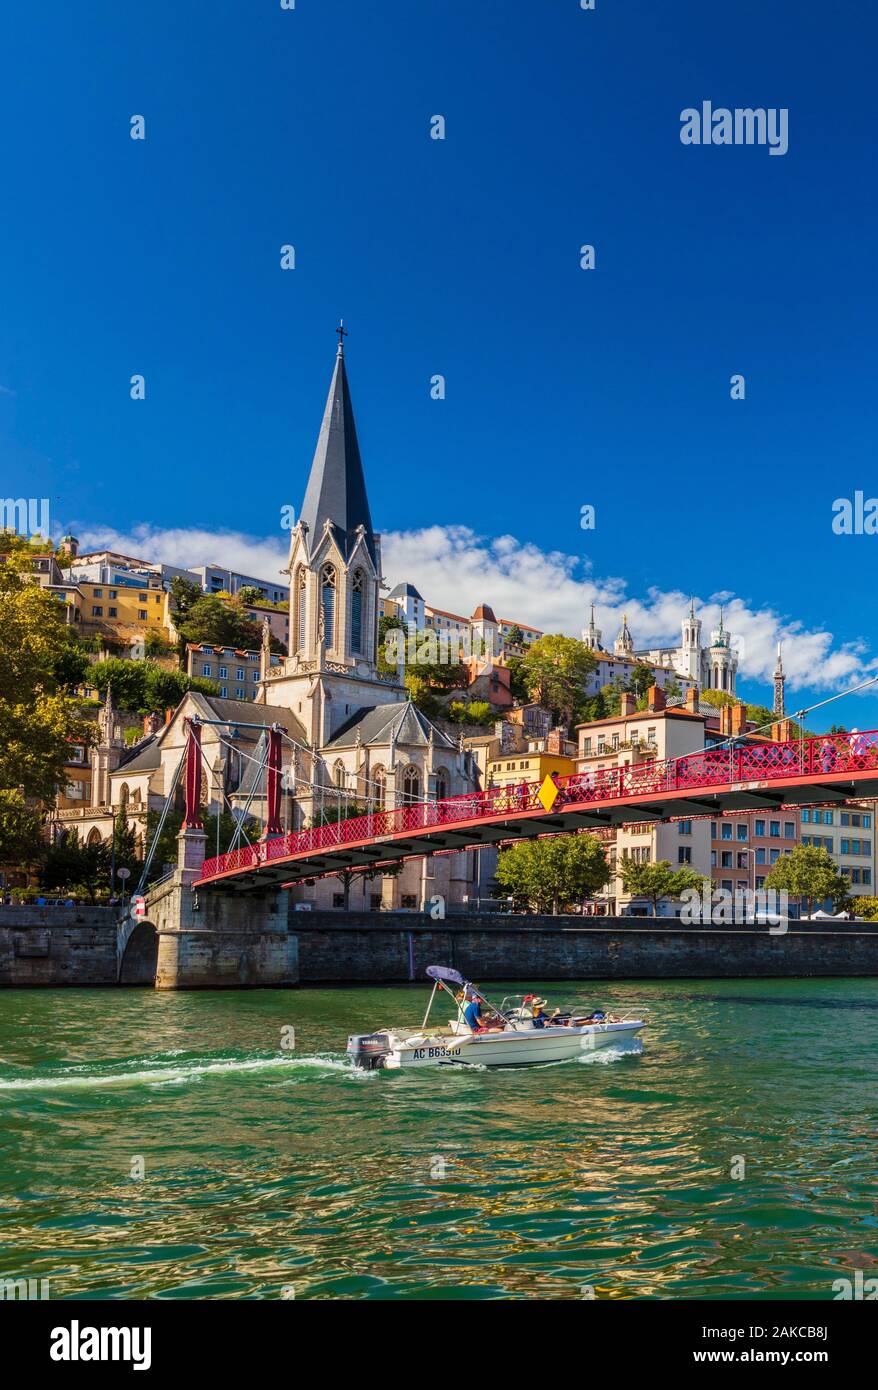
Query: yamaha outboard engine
368, 1050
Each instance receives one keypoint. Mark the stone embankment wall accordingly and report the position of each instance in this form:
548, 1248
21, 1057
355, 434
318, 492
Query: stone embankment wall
398, 947
57, 945
77, 946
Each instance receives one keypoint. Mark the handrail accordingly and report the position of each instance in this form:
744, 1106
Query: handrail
710, 768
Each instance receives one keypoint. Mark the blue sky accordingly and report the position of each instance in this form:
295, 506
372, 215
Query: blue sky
459, 257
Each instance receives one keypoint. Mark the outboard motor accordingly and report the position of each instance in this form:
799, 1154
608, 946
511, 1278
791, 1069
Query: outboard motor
368, 1050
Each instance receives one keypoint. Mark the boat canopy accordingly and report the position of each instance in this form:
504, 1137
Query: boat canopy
444, 972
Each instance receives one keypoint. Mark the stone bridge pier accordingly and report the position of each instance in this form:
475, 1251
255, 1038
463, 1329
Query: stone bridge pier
218, 940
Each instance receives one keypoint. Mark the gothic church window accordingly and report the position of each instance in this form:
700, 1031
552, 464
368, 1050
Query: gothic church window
411, 783
357, 612
301, 601
327, 600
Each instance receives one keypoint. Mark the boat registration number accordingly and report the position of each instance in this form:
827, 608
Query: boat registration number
427, 1054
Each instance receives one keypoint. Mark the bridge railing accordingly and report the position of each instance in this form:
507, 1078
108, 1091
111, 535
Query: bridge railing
712, 767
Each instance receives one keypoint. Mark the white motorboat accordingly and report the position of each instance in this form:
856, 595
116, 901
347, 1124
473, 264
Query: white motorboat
516, 1034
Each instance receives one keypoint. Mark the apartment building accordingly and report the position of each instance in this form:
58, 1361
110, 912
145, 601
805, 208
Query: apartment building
633, 736
236, 671
848, 834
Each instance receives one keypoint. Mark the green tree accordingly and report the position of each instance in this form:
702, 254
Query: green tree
673, 690
249, 594
185, 593
21, 831
72, 665
125, 850
657, 880
642, 678
221, 622
76, 867
127, 679
38, 721
515, 636
809, 874
555, 670
556, 871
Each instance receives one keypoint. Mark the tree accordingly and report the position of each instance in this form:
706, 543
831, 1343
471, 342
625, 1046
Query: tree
673, 690
556, 870
144, 686
867, 908
38, 721
807, 873
657, 880
515, 636
249, 594
555, 670
21, 831
642, 678
220, 622
77, 867
71, 665
185, 594
124, 850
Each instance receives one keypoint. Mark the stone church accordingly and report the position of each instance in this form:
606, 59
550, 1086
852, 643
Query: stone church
351, 735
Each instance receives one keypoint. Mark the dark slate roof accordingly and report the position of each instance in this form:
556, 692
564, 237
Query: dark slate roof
145, 756
248, 712
405, 591
336, 487
378, 724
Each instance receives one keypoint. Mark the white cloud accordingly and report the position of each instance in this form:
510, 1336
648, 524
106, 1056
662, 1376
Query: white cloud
456, 569
260, 558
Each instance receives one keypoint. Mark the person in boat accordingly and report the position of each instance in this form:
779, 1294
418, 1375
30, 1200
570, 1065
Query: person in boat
538, 1012
475, 1019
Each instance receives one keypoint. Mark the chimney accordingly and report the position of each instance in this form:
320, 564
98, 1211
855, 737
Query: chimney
169, 714
555, 742
725, 719
655, 698
692, 699
627, 703
152, 723
738, 723
782, 732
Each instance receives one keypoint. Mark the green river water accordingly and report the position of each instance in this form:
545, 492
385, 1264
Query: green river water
270, 1173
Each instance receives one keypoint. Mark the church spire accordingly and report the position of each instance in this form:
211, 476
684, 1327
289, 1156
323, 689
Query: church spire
336, 491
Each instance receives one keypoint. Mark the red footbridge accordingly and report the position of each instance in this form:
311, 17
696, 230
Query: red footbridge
719, 781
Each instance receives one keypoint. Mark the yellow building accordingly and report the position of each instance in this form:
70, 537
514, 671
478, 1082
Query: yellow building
512, 768
125, 608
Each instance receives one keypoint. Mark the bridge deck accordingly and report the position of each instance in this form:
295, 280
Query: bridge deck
715, 782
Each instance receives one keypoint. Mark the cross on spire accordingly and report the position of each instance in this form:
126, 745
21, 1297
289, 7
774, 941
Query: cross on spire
342, 334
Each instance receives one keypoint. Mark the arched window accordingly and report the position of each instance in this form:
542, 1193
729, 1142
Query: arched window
411, 784
379, 787
94, 837
301, 607
357, 612
327, 604
339, 774
442, 783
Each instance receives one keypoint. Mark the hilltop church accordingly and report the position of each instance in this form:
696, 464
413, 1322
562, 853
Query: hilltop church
351, 734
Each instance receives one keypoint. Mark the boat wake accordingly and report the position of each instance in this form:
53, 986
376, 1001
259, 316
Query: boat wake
177, 1073
602, 1056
